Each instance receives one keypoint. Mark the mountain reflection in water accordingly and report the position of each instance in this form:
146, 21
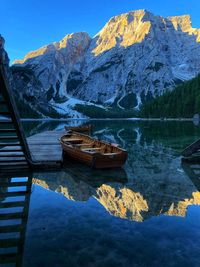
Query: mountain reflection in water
95, 217
152, 182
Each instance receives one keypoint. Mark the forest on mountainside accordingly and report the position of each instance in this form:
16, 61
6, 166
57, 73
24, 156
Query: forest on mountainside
183, 101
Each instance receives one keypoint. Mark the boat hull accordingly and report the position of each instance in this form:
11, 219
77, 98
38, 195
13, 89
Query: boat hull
96, 161
80, 129
94, 153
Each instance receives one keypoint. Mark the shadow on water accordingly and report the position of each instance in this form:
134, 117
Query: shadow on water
14, 207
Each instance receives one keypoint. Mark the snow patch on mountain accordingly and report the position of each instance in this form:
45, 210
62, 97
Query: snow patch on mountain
69, 106
182, 72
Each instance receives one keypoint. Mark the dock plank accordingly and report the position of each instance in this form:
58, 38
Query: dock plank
43, 146
194, 147
46, 146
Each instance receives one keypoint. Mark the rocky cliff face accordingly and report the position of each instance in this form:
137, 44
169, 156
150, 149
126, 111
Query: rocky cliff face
53, 63
136, 56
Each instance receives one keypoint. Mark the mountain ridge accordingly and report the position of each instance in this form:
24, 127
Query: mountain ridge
136, 56
182, 21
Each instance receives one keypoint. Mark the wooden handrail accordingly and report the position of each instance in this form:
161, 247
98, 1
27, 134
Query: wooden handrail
8, 99
8, 96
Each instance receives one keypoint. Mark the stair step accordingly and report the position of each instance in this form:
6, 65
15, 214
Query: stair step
7, 131
12, 242
6, 122
11, 155
15, 171
8, 137
10, 150
12, 161
5, 113
10, 144
14, 194
8, 216
2, 102
11, 228
16, 144
18, 176
10, 258
12, 204
4, 184
13, 166
9, 110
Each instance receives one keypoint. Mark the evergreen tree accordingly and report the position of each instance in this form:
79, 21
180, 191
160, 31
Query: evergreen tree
183, 101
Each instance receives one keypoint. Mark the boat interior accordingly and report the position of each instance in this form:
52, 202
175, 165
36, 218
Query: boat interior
90, 145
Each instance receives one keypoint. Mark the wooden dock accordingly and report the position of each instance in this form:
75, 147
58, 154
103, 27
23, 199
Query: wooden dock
191, 149
46, 146
191, 154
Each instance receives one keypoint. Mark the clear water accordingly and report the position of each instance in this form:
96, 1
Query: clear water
146, 214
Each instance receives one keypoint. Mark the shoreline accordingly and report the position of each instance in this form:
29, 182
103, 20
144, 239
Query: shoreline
105, 119
114, 119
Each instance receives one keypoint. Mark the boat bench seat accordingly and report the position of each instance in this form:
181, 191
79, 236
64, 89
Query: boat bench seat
91, 149
73, 141
110, 154
84, 144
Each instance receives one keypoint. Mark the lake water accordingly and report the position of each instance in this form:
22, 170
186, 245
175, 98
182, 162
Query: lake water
146, 214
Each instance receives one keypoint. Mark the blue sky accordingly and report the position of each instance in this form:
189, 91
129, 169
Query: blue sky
29, 24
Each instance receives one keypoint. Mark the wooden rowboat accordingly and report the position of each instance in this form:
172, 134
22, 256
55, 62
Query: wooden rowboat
96, 154
80, 129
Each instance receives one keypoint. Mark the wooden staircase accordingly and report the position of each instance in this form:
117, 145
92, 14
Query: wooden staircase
14, 206
14, 151
12, 154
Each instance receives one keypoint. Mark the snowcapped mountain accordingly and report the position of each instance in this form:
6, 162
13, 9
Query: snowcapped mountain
136, 56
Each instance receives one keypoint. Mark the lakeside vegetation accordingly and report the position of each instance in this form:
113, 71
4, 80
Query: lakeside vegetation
92, 111
183, 101
34, 111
